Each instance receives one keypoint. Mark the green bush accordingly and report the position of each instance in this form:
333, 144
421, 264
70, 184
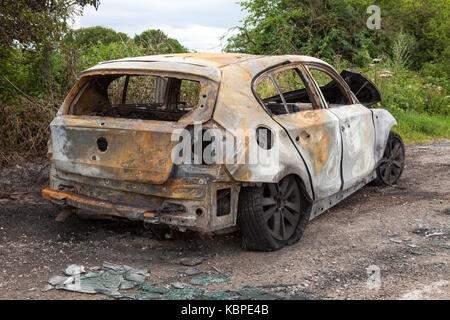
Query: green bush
408, 91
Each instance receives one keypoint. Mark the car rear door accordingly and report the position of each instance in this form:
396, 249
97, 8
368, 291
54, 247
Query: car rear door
287, 94
355, 122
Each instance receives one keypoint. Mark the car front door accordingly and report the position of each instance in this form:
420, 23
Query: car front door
355, 122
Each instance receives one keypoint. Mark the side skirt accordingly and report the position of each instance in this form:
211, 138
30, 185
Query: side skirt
323, 205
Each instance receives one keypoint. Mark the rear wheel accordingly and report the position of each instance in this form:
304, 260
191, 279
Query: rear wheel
273, 215
391, 165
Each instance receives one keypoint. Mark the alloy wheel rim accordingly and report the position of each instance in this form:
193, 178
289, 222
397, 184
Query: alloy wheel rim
391, 165
281, 207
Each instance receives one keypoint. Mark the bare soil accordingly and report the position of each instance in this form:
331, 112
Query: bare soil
402, 230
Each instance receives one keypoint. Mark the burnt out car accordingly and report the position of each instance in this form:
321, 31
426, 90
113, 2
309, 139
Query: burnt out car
213, 142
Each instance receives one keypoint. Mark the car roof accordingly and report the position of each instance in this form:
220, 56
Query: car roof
202, 64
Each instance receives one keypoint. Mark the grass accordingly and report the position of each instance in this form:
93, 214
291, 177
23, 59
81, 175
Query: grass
420, 127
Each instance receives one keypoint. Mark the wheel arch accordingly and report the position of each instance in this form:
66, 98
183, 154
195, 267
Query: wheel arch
304, 187
307, 209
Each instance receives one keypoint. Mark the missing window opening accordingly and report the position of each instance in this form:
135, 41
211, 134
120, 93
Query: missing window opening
284, 92
138, 97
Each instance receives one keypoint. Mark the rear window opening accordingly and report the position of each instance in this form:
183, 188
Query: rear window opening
146, 97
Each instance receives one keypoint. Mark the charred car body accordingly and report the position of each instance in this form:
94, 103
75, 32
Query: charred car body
115, 142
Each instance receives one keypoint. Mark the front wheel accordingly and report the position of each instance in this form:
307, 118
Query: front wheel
391, 165
273, 215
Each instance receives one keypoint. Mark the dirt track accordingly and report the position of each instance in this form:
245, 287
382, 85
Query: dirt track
404, 231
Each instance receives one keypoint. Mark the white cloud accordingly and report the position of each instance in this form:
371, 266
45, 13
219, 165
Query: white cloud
197, 24
198, 37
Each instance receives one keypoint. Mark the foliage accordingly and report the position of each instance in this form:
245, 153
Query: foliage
427, 21
420, 103
87, 37
36, 22
31, 30
312, 27
159, 41
326, 28
421, 127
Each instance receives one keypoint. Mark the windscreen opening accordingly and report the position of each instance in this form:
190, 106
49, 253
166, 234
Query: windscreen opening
146, 97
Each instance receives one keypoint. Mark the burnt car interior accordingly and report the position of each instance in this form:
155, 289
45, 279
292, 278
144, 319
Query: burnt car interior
284, 92
145, 97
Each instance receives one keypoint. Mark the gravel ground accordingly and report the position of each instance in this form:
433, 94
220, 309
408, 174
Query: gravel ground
402, 233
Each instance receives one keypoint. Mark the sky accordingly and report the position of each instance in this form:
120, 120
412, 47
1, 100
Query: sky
196, 24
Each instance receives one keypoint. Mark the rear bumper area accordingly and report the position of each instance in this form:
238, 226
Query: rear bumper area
203, 216
118, 210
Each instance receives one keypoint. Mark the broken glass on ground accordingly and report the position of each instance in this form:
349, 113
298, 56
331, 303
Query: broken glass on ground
74, 270
207, 279
108, 281
125, 282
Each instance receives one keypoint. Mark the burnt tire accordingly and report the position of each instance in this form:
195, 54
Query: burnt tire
391, 166
264, 211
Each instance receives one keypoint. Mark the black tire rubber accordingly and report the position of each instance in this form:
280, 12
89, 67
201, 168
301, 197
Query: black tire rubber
256, 234
379, 181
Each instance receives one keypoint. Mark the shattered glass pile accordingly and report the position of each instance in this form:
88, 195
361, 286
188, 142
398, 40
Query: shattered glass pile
121, 281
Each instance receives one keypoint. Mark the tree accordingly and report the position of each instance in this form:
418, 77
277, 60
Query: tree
87, 37
158, 42
36, 22
326, 28
31, 29
314, 27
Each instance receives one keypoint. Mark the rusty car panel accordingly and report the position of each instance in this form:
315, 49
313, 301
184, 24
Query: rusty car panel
132, 154
316, 135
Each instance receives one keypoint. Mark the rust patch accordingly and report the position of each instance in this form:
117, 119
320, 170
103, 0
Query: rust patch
313, 136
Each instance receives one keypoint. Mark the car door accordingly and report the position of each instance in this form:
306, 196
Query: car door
355, 122
293, 102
